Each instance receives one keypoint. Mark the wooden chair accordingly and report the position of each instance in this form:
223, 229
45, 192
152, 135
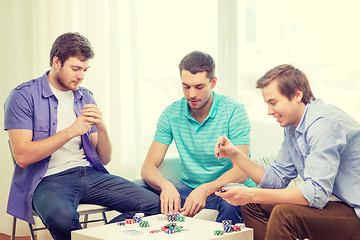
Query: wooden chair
83, 210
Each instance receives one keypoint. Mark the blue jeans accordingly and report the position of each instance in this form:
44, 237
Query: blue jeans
57, 197
226, 210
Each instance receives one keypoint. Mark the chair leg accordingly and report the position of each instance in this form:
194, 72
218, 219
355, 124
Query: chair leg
32, 235
13, 233
105, 219
86, 218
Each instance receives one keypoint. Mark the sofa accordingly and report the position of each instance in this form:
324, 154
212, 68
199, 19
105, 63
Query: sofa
265, 142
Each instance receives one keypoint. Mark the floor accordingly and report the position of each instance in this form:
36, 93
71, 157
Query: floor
7, 237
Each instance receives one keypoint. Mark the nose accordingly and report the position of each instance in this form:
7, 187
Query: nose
192, 93
81, 75
270, 110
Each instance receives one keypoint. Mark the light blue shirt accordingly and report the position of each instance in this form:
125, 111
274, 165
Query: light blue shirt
195, 142
324, 149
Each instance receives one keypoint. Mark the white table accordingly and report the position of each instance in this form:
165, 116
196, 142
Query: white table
197, 229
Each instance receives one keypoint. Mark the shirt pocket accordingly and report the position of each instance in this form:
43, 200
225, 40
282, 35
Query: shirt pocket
41, 130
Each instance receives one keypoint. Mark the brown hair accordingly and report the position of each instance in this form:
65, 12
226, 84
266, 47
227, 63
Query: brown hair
197, 61
289, 79
71, 45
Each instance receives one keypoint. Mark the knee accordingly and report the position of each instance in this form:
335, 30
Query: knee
63, 222
283, 211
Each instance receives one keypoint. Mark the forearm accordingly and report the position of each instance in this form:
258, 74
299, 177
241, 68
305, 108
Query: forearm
103, 146
151, 175
278, 196
27, 152
234, 175
250, 168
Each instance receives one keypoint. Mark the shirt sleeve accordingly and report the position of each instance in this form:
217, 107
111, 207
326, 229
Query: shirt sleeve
281, 171
326, 141
239, 126
18, 112
163, 132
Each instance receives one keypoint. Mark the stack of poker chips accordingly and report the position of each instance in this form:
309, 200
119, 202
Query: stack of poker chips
228, 228
173, 217
144, 224
238, 227
226, 222
218, 232
138, 217
129, 221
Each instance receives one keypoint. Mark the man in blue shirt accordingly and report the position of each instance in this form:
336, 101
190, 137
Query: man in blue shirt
194, 122
321, 145
60, 145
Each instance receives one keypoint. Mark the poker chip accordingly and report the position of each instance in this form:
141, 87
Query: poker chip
228, 229
218, 232
236, 228
226, 222
154, 231
162, 218
137, 219
164, 228
180, 218
122, 223
170, 231
171, 218
130, 221
241, 225
144, 224
140, 215
171, 225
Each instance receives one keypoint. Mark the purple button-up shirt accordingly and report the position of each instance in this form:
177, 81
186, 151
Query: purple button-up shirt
32, 105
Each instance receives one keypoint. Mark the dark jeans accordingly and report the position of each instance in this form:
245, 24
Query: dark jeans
288, 221
226, 210
57, 196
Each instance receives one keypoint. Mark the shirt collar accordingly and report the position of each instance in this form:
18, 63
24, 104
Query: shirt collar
213, 109
301, 126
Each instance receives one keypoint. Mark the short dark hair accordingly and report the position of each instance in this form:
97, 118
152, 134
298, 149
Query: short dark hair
71, 45
289, 79
197, 61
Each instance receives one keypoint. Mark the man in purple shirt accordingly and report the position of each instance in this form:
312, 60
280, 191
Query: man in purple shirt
60, 145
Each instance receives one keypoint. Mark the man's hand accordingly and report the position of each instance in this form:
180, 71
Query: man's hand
237, 195
170, 199
195, 202
80, 126
93, 115
224, 148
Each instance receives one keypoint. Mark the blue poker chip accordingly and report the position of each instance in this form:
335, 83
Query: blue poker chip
170, 231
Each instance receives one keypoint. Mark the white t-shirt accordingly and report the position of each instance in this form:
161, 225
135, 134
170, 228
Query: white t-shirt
71, 154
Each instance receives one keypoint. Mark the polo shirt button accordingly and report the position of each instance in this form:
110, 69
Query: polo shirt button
53, 123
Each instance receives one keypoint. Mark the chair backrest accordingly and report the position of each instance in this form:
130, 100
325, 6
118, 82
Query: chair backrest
12, 155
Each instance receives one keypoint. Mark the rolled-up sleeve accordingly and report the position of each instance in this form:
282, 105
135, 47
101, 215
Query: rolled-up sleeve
326, 141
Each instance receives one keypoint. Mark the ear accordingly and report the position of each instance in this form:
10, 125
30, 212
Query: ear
56, 62
213, 82
298, 95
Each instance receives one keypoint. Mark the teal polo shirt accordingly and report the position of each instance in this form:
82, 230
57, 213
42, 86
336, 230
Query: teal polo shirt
195, 142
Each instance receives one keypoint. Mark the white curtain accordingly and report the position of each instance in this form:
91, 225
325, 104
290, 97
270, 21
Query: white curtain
28, 29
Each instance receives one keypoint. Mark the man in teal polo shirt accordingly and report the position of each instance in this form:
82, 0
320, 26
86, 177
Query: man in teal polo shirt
194, 123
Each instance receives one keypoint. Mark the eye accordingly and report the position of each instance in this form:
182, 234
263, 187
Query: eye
200, 87
186, 86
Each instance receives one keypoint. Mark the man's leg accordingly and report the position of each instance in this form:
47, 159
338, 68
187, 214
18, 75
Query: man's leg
228, 211
56, 199
256, 216
288, 221
335, 221
119, 194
